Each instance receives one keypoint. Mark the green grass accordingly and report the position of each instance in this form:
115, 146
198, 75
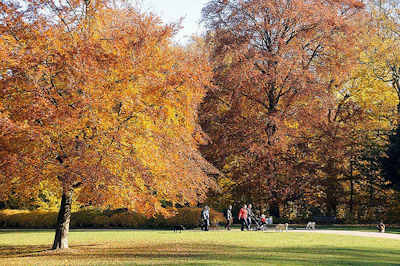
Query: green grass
347, 227
105, 247
363, 228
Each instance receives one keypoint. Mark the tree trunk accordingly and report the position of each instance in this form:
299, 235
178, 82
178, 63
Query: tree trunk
331, 188
351, 192
331, 197
274, 210
63, 219
351, 199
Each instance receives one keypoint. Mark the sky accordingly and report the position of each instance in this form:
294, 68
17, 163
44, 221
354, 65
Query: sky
172, 10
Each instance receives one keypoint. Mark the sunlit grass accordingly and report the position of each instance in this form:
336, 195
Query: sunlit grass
363, 228
104, 247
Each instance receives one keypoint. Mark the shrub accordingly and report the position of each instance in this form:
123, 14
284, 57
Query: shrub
101, 221
392, 215
158, 221
216, 218
96, 218
85, 218
27, 219
127, 220
190, 218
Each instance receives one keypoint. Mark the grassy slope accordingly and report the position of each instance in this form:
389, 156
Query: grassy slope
100, 247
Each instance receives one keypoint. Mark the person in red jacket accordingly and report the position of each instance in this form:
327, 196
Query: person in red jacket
243, 216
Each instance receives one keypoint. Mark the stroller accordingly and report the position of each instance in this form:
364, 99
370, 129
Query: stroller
260, 222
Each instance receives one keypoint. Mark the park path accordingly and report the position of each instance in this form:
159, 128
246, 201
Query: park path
352, 233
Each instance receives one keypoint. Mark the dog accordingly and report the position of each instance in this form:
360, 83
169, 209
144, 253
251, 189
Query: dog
178, 228
282, 227
310, 226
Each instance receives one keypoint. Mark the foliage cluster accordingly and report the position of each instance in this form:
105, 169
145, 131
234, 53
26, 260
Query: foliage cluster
305, 96
106, 104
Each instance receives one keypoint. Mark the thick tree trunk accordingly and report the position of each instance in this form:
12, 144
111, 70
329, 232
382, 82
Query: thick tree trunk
331, 197
351, 199
332, 187
63, 219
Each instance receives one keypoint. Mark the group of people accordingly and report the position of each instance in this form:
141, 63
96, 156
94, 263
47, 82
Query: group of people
246, 218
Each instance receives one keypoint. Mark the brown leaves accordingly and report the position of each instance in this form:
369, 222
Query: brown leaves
272, 60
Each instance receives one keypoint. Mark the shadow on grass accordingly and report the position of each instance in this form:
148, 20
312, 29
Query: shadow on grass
17, 251
211, 254
35, 250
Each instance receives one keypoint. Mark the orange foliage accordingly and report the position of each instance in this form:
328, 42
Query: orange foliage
108, 101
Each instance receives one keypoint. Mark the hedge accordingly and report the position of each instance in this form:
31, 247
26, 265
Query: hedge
97, 218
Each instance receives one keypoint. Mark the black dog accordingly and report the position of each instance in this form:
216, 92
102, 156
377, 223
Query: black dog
178, 228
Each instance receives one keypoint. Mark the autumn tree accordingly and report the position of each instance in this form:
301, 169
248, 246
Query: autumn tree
383, 55
333, 154
270, 57
342, 137
382, 64
108, 105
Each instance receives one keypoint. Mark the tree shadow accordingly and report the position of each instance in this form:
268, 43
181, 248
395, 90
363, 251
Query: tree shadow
21, 250
38, 250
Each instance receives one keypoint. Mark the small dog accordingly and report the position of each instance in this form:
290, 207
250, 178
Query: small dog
282, 227
310, 226
179, 228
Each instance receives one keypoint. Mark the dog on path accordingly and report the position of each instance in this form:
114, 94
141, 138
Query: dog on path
310, 226
282, 227
178, 228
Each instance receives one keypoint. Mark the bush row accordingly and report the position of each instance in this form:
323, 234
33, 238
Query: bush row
96, 218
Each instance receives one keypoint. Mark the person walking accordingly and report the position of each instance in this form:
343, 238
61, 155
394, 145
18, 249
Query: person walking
228, 217
250, 215
205, 218
243, 216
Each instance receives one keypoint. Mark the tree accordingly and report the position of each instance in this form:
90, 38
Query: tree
109, 102
271, 57
382, 59
391, 160
349, 131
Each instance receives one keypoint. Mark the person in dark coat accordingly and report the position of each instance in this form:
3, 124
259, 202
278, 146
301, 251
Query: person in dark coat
228, 217
205, 218
243, 216
250, 215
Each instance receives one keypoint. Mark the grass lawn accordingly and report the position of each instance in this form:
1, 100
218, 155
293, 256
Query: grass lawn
363, 228
105, 247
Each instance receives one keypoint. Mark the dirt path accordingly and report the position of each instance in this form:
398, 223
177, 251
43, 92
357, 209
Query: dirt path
352, 233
